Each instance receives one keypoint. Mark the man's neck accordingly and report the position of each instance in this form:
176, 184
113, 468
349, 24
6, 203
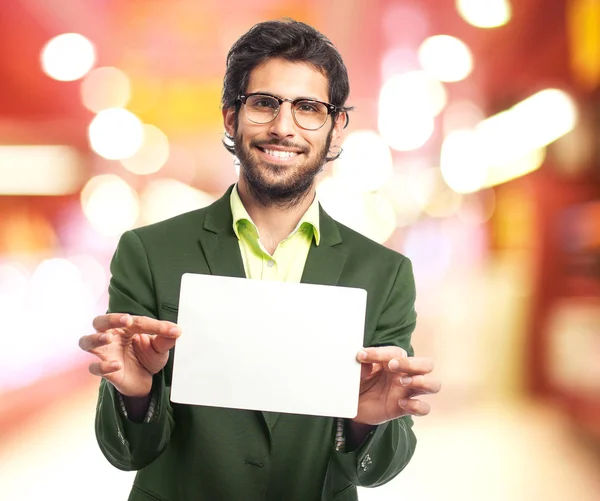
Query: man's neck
274, 223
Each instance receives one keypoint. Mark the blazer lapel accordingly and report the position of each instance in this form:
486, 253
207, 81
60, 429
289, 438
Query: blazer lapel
326, 261
219, 243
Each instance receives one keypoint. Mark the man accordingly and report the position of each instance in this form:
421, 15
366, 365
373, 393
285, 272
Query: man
284, 98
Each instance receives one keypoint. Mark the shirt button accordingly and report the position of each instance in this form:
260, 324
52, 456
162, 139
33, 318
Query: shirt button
270, 263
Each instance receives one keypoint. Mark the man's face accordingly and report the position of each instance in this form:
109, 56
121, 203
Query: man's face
280, 160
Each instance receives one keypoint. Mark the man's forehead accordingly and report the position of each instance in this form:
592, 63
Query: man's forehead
288, 79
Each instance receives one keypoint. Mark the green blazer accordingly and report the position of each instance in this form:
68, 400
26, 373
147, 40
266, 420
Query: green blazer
211, 454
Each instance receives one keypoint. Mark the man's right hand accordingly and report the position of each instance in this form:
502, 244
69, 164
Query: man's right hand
131, 350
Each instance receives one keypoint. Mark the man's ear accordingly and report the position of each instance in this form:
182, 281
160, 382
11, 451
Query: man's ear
338, 126
229, 120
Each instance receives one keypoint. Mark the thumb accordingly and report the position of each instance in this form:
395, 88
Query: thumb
162, 344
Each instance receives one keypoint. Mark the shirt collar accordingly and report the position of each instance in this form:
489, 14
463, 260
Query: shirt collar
309, 221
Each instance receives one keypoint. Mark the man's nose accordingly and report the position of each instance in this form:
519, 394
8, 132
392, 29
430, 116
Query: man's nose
283, 125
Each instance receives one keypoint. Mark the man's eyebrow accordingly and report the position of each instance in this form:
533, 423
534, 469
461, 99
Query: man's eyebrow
308, 98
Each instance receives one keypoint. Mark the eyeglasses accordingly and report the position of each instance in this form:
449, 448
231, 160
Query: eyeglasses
307, 113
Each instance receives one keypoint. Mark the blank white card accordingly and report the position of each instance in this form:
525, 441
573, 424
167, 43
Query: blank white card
269, 346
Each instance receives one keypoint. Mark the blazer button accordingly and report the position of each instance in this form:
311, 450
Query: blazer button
366, 463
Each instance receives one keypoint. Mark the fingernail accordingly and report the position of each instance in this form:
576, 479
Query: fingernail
102, 337
406, 380
394, 364
362, 354
403, 402
125, 319
174, 331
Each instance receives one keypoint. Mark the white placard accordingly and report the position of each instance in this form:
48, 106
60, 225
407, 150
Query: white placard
269, 346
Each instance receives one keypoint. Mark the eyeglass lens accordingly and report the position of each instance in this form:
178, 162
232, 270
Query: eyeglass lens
308, 114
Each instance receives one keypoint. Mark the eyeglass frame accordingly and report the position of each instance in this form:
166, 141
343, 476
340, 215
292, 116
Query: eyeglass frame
331, 108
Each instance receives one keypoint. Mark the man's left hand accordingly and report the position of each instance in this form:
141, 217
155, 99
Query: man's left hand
389, 382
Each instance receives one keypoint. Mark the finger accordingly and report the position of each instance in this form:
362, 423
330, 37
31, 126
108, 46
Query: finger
411, 365
162, 344
147, 325
136, 324
421, 385
104, 368
95, 341
382, 354
414, 407
109, 321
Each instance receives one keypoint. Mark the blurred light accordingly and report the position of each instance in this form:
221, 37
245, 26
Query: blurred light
68, 57
405, 23
461, 115
110, 204
442, 201
152, 154
105, 88
92, 273
429, 249
407, 104
180, 164
399, 190
52, 280
116, 134
365, 164
462, 162
446, 58
544, 117
507, 145
583, 31
398, 60
39, 170
512, 168
477, 208
13, 284
166, 198
370, 214
485, 13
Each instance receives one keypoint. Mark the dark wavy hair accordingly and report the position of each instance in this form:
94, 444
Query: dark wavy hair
290, 40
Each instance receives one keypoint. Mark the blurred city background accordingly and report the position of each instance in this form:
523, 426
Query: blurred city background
473, 149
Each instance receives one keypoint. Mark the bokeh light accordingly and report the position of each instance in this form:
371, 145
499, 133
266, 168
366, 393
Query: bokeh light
116, 134
371, 214
462, 162
477, 208
110, 204
152, 154
68, 57
485, 13
104, 88
166, 198
407, 105
445, 57
366, 162
461, 115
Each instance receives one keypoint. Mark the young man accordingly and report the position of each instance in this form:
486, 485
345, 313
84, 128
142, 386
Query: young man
284, 98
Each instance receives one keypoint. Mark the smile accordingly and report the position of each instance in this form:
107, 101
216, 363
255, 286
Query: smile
279, 154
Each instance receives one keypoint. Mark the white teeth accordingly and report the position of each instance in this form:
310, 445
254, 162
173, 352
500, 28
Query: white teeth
281, 154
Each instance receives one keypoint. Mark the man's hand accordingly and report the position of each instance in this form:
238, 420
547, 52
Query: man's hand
389, 381
131, 350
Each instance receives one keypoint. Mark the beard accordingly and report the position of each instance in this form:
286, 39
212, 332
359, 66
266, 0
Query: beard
286, 191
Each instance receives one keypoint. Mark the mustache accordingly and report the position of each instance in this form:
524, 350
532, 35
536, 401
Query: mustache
284, 143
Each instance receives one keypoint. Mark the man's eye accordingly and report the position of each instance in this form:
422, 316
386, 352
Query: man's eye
265, 103
307, 107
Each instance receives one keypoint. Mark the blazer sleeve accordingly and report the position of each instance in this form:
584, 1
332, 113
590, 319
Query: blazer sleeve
128, 445
390, 446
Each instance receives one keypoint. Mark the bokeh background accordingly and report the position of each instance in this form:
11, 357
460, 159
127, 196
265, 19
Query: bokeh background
473, 149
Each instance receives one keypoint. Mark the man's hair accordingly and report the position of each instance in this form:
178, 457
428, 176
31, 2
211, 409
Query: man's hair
289, 40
